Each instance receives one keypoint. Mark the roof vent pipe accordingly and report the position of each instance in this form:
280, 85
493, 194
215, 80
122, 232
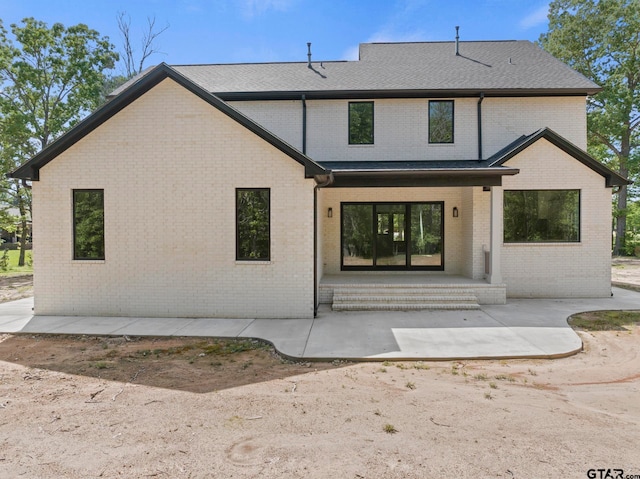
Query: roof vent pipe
308, 54
457, 42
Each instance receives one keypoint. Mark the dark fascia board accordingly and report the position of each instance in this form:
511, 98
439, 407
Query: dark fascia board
376, 94
30, 170
611, 177
435, 177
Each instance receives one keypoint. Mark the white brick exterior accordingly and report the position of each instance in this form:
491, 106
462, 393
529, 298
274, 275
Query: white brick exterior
169, 164
401, 126
561, 269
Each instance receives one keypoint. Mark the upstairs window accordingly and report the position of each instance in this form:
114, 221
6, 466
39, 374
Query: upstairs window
441, 121
88, 224
536, 216
253, 228
361, 123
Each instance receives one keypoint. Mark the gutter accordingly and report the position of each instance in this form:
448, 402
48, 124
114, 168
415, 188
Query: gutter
304, 124
480, 126
319, 184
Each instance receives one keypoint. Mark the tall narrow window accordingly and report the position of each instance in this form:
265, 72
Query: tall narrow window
252, 224
88, 224
532, 216
441, 121
361, 123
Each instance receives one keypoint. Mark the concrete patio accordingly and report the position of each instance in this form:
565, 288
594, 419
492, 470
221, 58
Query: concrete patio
523, 328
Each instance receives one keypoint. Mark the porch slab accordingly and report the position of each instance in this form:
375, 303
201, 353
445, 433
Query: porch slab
523, 328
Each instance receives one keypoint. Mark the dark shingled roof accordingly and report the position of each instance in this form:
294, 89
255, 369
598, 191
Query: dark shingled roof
401, 69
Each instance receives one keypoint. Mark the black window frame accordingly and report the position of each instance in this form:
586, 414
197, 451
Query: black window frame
408, 266
238, 256
372, 123
453, 123
75, 223
578, 214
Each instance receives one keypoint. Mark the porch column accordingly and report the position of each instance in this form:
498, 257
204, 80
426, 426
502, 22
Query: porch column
495, 242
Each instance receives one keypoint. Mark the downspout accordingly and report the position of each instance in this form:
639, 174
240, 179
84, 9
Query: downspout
480, 126
322, 184
304, 124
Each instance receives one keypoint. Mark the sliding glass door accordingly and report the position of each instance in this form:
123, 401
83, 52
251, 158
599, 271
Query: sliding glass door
392, 236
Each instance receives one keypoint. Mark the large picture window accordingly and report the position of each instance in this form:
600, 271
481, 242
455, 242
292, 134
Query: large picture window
541, 216
252, 224
441, 121
361, 123
88, 224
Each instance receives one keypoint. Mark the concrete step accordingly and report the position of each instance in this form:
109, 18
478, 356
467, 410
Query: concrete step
403, 298
382, 297
403, 306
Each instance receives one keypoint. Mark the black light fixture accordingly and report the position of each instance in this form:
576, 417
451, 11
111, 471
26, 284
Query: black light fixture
455, 211
330, 213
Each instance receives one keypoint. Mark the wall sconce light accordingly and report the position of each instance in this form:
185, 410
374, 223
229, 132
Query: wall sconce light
330, 213
455, 211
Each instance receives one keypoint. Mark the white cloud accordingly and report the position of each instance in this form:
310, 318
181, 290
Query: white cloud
535, 18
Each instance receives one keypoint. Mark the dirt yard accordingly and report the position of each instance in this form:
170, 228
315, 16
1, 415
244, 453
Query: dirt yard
83, 407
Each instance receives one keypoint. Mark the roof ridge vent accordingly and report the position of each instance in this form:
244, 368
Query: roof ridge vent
457, 41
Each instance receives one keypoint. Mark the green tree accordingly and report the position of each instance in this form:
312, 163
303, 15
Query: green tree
601, 40
50, 78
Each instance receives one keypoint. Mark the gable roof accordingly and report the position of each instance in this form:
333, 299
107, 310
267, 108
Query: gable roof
30, 169
525, 141
495, 68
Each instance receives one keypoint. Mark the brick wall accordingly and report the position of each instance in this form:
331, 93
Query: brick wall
169, 164
561, 269
401, 126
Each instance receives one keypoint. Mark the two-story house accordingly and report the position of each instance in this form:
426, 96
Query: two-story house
423, 175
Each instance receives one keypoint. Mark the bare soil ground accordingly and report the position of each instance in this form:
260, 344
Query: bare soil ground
82, 407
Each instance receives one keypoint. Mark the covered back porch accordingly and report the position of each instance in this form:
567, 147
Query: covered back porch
411, 241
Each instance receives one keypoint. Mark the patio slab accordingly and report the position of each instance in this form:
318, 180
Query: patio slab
523, 328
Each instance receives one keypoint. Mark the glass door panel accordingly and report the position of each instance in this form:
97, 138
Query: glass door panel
426, 234
357, 232
391, 249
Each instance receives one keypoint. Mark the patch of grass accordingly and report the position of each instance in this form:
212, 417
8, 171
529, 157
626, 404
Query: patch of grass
217, 347
604, 320
101, 365
421, 366
389, 429
480, 377
493, 385
410, 385
488, 396
505, 377
13, 267
382, 370
532, 372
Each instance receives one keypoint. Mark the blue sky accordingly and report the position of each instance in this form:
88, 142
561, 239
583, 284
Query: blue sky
231, 31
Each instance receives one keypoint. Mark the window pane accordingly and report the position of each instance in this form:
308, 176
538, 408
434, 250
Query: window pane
391, 248
252, 224
426, 234
441, 121
541, 215
361, 123
88, 224
357, 234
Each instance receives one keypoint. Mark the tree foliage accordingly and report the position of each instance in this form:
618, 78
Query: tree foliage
601, 40
50, 78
